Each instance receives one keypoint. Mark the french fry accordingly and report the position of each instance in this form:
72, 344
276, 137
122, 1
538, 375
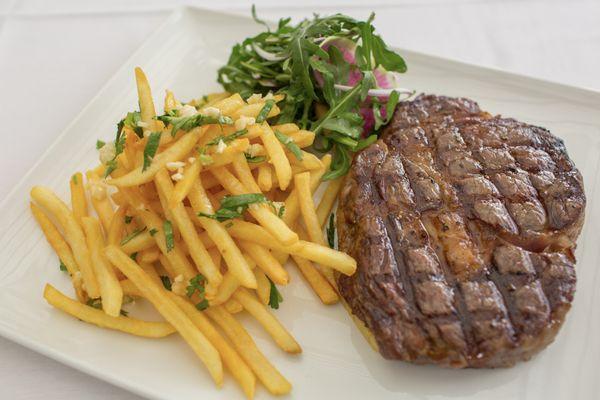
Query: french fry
328, 200
183, 187
233, 306
176, 257
100, 200
78, 200
175, 152
317, 282
302, 137
265, 261
268, 321
280, 162
200, 256
246, 347
240, 166
149, 255
73, 234
147, 110
218, 234
169, 310
97, 317
110, 290
247, 231
229, 105
261, 213
286, 129
308, 162
140, 242
232, 360
170, 102
117, 225
252, 110
263, 286
307, 208
265, 181
61, 248
292, 205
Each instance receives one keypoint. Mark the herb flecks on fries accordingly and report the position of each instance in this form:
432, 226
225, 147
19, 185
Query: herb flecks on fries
197, 211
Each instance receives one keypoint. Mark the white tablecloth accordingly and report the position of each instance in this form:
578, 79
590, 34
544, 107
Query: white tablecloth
54, 57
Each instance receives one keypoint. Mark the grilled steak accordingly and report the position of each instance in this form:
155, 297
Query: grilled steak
463, 226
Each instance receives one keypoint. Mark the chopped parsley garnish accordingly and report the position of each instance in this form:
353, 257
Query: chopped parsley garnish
281, 211
128, 219
188, 123
99, 144
153, 232
62, 266
74, 179
131, 121
133, 234
255, 159
196, 284
166, 281
329, 61
234, 206
150, 149
133, 256
274, 296
169, 239
331, 231
228, 138
264, 112
289, 143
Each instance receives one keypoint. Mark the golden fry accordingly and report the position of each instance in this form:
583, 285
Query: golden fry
94, 316
307, 208
110, 290
159, 297
73, 234
268, 321
78, 200
264, 370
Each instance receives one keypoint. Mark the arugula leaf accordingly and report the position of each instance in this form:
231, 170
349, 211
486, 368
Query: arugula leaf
150, 149
289, 143
169, 238
228, 138
62, 266
166, 281
133, 234
274, 296
331, 231
259, 21
300, 62
188, 123
99, 144
264, 112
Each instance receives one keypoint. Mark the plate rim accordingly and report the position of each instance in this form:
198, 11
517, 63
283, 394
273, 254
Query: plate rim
177, 13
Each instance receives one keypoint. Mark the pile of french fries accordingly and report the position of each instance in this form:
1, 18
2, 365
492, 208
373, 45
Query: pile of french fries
154, 232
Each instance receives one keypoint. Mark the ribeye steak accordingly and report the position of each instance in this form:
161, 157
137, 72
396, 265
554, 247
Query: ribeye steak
463, 225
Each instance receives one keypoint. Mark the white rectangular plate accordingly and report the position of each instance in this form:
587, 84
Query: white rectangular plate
183, 55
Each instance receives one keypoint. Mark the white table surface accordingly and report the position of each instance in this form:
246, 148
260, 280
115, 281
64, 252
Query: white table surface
55, 56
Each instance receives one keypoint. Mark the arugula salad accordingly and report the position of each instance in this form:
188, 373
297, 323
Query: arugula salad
339, 78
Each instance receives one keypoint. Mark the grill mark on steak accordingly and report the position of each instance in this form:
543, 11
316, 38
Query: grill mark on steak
463, 226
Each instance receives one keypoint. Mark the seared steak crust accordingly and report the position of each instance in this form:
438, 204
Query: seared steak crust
463, 226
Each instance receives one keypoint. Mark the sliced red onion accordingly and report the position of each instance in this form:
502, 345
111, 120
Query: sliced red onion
266, 55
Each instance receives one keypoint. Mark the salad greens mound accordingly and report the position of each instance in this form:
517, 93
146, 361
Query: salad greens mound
338, 76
